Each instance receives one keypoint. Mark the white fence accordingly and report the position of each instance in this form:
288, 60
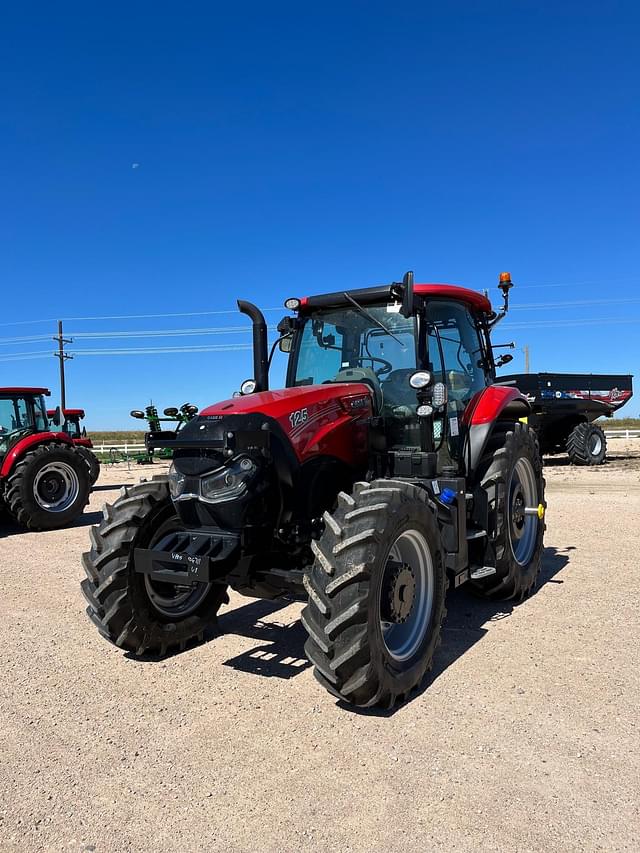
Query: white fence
622, 433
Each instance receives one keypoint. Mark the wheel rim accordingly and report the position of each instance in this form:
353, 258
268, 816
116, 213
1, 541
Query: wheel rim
523, 528
174, 601
406, 595
595, 444
56, 487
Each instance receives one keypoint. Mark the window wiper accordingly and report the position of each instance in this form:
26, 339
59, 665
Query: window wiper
370, 317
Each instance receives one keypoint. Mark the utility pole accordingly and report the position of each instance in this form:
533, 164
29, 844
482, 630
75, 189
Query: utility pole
62, 356
525, 349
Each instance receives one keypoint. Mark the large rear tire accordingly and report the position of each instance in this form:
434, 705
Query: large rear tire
92, 463
587, 445
376, 594
49, 487
510, 476
127, 607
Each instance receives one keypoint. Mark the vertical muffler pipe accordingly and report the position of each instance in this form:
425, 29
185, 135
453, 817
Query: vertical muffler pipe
260, 348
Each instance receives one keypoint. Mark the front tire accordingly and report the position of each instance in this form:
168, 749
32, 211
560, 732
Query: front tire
510, 481
376, 594
127, 607
49, 487
587, 445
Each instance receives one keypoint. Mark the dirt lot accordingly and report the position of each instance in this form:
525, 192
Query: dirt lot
526, 738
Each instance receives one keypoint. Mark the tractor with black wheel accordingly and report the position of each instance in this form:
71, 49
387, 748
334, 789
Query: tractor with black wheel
390, 466
44, 481
68, 422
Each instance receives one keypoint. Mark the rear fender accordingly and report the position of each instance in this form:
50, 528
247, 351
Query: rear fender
25, 444
485, 409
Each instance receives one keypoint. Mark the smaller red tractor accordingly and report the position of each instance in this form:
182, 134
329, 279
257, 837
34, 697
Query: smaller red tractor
44, 481
69, 421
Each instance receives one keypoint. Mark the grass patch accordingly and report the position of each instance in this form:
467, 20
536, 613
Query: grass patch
619, 423
117, 437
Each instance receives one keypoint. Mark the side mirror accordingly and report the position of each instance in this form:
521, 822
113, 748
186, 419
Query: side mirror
191, 410
171, 412
136, 413
285, 344
57, 416
504, 359
407, 306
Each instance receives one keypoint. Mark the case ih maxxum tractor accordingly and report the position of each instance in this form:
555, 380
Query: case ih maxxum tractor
44, 481
390, 465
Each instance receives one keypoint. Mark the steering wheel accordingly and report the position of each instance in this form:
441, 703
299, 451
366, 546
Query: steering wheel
387, 367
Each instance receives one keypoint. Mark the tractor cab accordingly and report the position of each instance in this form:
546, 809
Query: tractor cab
22, 413
427, 361
69, 423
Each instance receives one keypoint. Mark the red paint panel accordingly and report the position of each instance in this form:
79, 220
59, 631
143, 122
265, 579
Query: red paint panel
472, 298
330, 413
486, 405
27, 443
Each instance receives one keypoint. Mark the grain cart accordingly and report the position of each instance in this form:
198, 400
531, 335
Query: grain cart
69, 423
44, 482
389, 466
565, 408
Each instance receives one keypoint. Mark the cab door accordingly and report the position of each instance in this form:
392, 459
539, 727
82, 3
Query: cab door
457, 358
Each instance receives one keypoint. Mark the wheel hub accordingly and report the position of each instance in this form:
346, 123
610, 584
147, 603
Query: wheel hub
402, 588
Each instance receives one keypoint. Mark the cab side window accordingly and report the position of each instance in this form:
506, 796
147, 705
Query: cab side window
455, 350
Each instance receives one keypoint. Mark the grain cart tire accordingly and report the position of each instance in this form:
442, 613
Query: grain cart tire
128, 608
376, 594
92, 462
587, 445
49, 487
510, 478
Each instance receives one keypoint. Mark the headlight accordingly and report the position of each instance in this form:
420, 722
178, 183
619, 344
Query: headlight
420, 379
228, 483
176, 482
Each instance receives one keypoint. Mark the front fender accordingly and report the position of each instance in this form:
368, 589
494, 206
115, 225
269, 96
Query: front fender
485, 409
25, 444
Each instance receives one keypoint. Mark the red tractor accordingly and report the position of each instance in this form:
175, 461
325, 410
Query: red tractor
44, 482
69, 424
390, 465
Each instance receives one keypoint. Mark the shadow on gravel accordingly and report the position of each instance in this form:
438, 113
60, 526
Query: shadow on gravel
465, 624
109, 488
281, 652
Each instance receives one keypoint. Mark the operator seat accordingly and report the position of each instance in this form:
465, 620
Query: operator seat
396, 390
366, 376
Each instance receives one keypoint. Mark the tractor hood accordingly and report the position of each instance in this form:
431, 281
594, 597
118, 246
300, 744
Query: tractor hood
316, 419
281, 403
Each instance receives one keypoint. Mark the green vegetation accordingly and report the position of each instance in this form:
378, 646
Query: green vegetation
117, 437
619, 423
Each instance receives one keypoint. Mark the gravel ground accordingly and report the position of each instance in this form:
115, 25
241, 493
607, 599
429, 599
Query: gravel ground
526, 737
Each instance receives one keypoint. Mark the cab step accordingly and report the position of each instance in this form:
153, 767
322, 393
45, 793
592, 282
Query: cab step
480, 572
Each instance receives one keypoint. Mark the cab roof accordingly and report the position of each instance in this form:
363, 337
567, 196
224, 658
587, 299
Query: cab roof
370, 295
26, 391
72, 412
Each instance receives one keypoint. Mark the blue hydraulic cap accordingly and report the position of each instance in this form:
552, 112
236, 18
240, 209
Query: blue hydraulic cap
447, 496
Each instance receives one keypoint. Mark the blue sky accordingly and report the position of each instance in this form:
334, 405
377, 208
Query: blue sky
285, 149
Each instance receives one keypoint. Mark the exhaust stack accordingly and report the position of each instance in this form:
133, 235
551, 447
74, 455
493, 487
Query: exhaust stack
260, 353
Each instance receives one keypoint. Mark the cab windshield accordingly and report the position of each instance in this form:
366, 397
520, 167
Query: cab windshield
332, 342
18, 415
